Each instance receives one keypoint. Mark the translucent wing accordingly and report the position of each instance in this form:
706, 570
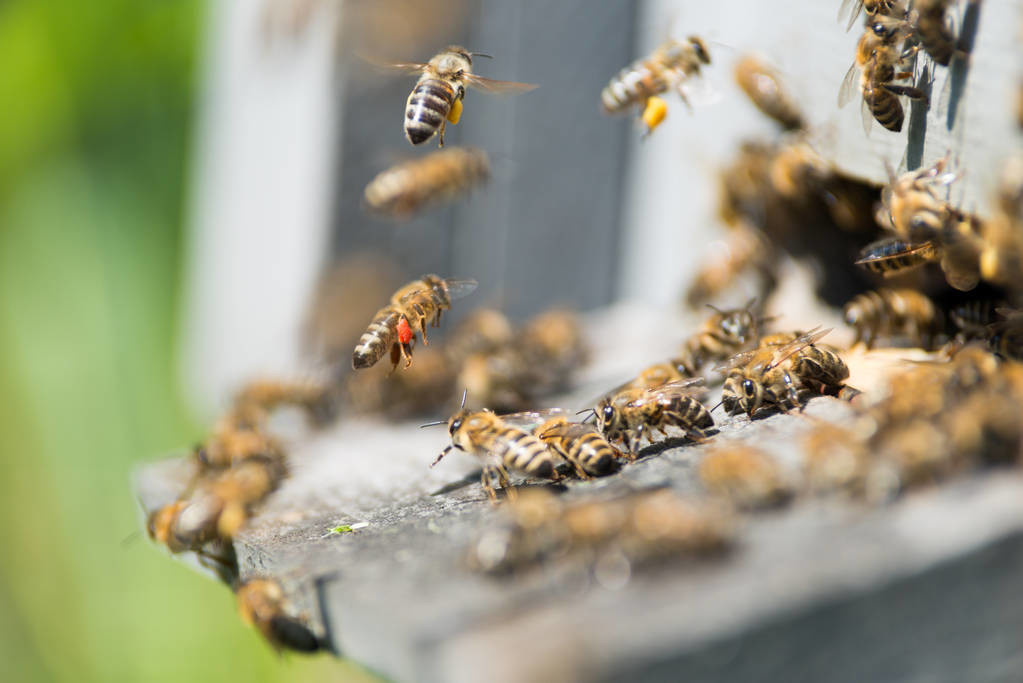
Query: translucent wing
866, 116
498, 87
533, 418
387, 65
893, 249
457, 288
687, 387
850, 85
797, 344
850, 8
739, 359
698, 92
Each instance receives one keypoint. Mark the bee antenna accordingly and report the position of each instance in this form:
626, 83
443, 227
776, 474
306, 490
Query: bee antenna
442, 454
433, 424
714, 308
464, 394
717, 406
481, 54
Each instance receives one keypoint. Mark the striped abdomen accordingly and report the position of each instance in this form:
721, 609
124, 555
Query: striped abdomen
524, 452
580, 445
684, 412
820, 366
378, 338
893, 255
884, 106
427, 108
633, 84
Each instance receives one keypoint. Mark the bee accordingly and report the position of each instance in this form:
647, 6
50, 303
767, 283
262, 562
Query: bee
837, 458
878, 57
974, 318
670, 67
417, 391
482, 331
1001, 259
261, 603
580, 445
745, 475
658, 374
932, 31
722, 334
852, 8
437, 97
893, 256
893, 312
501, 446
394, 326
219, 507
403, 190
821, 369
1006, 335
765, 377
237, 436
745, 251
553, 346
498, 379
316, 399
629, 415
762, 85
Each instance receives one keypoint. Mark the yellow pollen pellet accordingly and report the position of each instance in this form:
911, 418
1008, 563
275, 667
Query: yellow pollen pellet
655, 111
456, 112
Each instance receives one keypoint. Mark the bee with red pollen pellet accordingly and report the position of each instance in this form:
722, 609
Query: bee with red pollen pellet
395, 325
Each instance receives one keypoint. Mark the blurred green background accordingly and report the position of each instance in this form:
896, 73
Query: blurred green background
95, 128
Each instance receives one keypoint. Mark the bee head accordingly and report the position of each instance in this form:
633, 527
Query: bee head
700, 47
752, 396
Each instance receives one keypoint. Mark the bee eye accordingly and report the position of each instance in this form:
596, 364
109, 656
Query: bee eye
455, 426
747, 387
609, 412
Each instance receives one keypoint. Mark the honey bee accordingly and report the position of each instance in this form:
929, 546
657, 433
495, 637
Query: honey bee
878, 57
261, 603
746, 251
417, 391
894, 312
745, 475
974, 318
405, 189
762, 85
499, 379
316, 399
722, 334
437, 97
837, 458
656, 375
501, 446
580, 445
768, 377
394, 326
237, 436
629, 415
1001, 260
1006, 335
482, 331
670, 67
932, 31
219, 507
852, 8
552, 346
638, 528
893, 256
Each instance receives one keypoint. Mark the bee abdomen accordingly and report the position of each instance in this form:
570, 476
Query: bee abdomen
377, 339
692, 412
528, 454
594, 453
886, 108
633, 84
427, 107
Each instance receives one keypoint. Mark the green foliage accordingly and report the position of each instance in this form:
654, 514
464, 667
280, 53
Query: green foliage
97, 103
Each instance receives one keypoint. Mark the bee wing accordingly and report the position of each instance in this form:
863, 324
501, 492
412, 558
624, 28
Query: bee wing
741, 358
458, 288
866, 115
388, 65
850, 8
690, 387
533, 418
796, 345
849, 86
498, 87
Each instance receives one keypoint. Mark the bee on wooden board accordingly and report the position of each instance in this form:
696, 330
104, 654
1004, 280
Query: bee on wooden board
722, 334
671, 67
878, 60
500, 446
745, 475
772, 375
394, 326
237, 436
403, 190
893, 313
262, 604
580, 445
437, 97
628, 415
852, 9
763, 86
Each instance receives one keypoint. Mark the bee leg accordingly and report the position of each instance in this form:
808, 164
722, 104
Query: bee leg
580, 472
907, 90
505, 481
485, 482
440, 134
396, 353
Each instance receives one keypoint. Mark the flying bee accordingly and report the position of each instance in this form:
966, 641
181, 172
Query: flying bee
501, 446
763, 377
580, 445
628, 415
261, 603
932, 30
852, 8
403, 190
437, 97
893, 256
745, 475
894, 312
670, 67
878, 58
395, 325
762, 85
722, 334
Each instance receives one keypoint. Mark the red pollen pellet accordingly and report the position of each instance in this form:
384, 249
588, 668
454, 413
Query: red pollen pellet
404, 331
